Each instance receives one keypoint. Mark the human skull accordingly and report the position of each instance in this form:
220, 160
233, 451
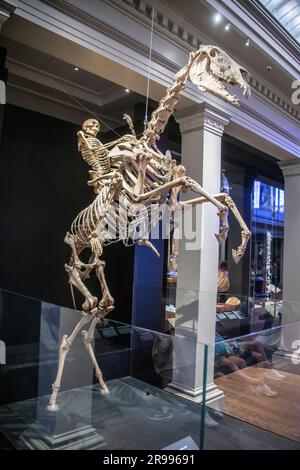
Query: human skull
213, 69
91, 127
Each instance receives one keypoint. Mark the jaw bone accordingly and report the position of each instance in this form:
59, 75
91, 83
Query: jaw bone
213, 69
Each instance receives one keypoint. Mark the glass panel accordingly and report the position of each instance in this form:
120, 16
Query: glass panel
253, 287
142, 409
267, 240
259, 375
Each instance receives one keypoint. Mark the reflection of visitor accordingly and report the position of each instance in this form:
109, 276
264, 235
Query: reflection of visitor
232, 355
223, 277
162, 355
223, 284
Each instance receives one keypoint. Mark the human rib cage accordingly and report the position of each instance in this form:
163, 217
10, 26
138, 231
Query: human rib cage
130, 176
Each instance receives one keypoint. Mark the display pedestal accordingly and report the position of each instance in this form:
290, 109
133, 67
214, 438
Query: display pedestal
134, 415
213, 393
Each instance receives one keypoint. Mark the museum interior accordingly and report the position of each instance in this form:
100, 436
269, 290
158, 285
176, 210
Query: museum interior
149, 194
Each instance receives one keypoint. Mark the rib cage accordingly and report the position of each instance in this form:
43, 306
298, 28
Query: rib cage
99, 216
95, 156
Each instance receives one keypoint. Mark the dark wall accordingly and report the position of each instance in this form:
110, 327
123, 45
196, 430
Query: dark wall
42, 188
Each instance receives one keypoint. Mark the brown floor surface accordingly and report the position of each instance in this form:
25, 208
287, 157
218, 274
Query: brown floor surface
279, 414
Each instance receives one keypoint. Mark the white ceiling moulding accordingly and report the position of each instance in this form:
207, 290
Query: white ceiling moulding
287, 13
165, 21
179, 29
2, 92
44, 104
275, 97
6, 9
34, 74
291, 168
47, 103
112, 41
250, 17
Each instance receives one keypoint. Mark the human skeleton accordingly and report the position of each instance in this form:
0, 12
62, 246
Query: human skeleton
131, 171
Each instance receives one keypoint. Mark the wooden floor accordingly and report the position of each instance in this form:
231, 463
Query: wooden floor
279, 414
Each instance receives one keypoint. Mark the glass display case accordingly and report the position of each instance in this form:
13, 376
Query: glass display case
253, 298
259, 375
256, 375
267, 240
137, 364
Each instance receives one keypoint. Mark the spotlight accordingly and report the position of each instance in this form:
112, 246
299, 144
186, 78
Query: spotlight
76, 69
247, 43
227, 27
217, 18
127, 90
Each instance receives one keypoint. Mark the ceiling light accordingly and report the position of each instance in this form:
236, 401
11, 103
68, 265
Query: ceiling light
217, 18
76, 69
247, 43
127, 90
227, 27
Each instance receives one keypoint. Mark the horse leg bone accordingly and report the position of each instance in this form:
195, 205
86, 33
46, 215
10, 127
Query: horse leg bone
181, 182
145, 242
224, 227
178, 171
227, 201
65, 346
88, 337
69, 240
107, 301
154, 192
75, 279
223, 210
201, 200
140, 184
245, 233
89, 267
195, 187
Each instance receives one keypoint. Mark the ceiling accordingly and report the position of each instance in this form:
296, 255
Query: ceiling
37, 77
201, 16
287, 12
34, 73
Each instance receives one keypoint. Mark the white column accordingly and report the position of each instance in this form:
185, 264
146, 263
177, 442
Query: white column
202, 127
2, 93
291, 256
291, 263
6, 8
289, 334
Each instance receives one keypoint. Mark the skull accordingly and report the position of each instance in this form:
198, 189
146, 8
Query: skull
91, 127
212, 69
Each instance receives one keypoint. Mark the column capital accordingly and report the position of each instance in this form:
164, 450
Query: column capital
202, 117
6, 8
290, 167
